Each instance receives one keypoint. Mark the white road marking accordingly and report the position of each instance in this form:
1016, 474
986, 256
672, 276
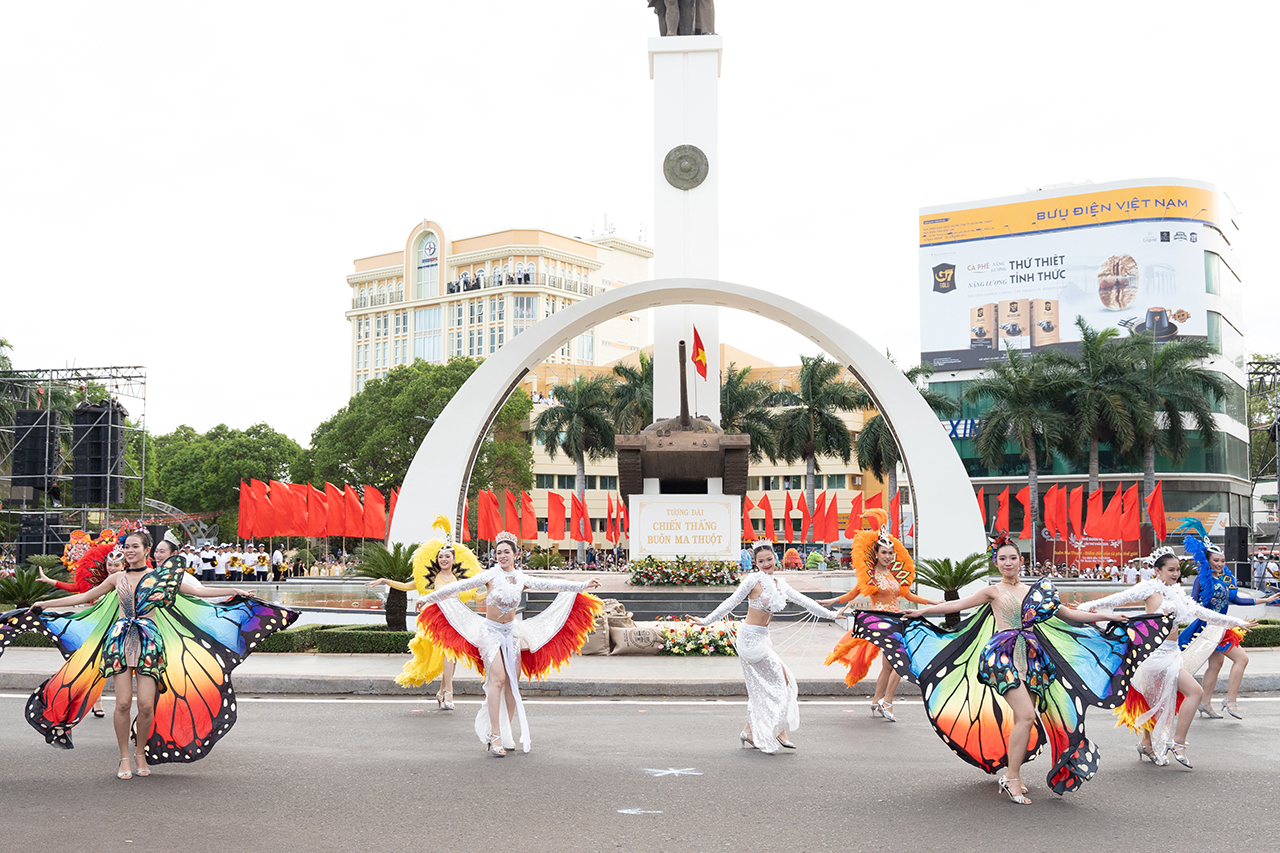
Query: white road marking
672, 771
636, 811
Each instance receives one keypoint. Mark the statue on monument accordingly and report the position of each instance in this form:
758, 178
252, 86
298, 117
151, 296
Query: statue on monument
685, 17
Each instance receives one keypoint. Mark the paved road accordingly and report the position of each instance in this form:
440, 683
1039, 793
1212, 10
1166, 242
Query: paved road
362, 774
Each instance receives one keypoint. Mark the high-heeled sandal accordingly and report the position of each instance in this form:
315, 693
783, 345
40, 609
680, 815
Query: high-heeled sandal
494, 746
1145, 751
876, 708
99, 713
446, 701
140, 758
1229, 705
128, 770
745, 737
786, 743
1179, 752
1003, 783
1207, 711
886, 711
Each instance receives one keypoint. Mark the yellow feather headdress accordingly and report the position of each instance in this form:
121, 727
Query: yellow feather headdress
465, 563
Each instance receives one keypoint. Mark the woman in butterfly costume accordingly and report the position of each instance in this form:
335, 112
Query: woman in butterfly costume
152, 622
1214, 588
436, 563
501, 648
1016, 674
885, 573
1155, 707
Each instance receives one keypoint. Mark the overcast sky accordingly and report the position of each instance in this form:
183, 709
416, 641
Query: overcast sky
184, 186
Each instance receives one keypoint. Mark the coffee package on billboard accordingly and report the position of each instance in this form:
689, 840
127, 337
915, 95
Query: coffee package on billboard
1014, 319
982, 326
1045, 329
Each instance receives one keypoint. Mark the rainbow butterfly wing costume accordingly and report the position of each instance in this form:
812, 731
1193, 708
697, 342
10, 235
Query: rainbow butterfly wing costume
188, 645
964, 674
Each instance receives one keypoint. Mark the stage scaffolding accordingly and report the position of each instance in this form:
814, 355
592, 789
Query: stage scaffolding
51, 490
1263, 402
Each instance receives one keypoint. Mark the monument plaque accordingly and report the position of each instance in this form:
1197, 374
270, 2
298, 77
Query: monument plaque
695, 526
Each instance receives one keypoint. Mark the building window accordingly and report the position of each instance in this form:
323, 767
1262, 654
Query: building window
475, 311
457, 314
380, 325
497, 309
586, 348
566, 481
427, 271
609, 483
544, 481
402, 322
457, 343
1226, 338
835, 481
359, 384
496, 338
427, 329
475, 342
524, 313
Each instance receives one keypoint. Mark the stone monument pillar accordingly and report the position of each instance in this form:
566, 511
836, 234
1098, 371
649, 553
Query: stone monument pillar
685, 71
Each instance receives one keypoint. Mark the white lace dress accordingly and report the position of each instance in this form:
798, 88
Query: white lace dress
505, 639
771, 687
1157, 677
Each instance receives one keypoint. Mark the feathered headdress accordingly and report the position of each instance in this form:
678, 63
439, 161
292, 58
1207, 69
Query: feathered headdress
864, 548
1196, 542
1001, 539
425, 565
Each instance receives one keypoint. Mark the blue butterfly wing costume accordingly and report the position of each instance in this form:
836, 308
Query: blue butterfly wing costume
963, 674
197, 645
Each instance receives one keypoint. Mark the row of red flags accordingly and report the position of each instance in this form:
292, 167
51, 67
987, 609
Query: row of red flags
1064, 512
519, 517
300, 509
823, 522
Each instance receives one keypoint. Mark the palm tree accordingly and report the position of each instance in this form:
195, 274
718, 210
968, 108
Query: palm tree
877, 450
580, 425
951, 577
23, 589
1108, 399
633, 396
744, 408
1024, 394
375, 560
8, 403
809, 425
1177, 386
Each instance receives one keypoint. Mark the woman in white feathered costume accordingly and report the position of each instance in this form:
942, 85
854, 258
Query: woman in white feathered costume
1163, 695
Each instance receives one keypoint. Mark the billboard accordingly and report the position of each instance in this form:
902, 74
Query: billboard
1018, 273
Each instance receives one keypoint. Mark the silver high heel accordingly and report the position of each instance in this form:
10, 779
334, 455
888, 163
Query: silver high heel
1147, 752
494, 746
877, 709
1207, 711
745, 737
786, 743
1230, 707
1003, 783
1180, 755
446, 700
886, 711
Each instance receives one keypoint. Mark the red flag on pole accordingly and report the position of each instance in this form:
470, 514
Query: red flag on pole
1131, 516
588, 534
244, 519
833, 518
465, 533
1111, 519
1051, 511
748, 529
1024, 498
788, 527
820, 517
335, 523
300, 521
982, 506
511, 523
1093, 523
769, 532
1155, 509
528, 518
264, 516
1002, 512
353, 522
555, 517
317, 512
282, 504
391, 513
876, 501
699, 355
895, 515
1075, 511
854, 525
805, 520
1060, 512
575, 518
625, 515
375, 514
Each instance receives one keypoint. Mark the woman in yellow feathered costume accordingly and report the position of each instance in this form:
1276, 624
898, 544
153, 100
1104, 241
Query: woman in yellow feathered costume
435, 563
884, 574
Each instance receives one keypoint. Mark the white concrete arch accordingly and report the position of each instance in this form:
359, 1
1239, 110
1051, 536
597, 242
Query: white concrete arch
947, 518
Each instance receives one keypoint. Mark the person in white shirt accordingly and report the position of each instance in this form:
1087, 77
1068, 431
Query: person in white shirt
261, 563
220, 560
207, 558
1147, 573
1130, 574
277, 564
1271, 574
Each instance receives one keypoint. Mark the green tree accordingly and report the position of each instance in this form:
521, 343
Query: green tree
505, 459
809, 425
876, 448
950, 577
1178, 387
633, 396
579, 424
1024, 396
374, 560
24, 589
8, 399
1108, 400
745, 408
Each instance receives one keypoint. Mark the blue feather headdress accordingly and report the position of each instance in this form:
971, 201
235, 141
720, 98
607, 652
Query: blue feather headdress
1196, 542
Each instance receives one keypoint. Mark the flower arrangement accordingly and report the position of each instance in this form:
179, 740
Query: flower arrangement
682, 571
685, 639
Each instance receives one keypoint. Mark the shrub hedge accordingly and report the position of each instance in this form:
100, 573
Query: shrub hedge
33, 640
362, 639
299, 639
1264, 635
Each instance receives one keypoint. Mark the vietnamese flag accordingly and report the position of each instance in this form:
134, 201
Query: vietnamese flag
335, 519
317, 512
353, 522
1131, 516
528, 518
833, 519
854, 525
895, 515
1075, 511
244, 519
511, 522
876, 501
805, 520
555, 517
1051, 511
748, 529
820, 518
375, 514
769, 532
1024, 498
1093, 523
624, 516
1155, 511
788, 527
982, 506
1002, 512
699, 356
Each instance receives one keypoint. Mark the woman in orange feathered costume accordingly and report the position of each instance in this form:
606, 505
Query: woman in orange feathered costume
884, 574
